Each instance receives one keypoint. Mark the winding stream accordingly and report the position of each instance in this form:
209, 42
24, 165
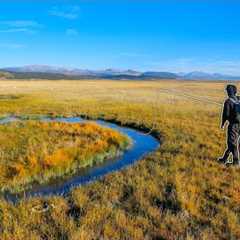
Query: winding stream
142, 145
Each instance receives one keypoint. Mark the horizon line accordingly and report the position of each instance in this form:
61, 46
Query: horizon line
119, 69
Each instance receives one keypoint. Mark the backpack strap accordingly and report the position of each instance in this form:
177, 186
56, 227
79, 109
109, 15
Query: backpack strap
234, 101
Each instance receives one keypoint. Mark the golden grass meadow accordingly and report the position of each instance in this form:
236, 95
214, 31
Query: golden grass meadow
178, 192
40, 151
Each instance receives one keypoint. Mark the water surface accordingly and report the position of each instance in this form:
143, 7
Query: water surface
142, 145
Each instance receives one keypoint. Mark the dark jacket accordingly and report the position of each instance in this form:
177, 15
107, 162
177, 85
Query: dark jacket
228, 114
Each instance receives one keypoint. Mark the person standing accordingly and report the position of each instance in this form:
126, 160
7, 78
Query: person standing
231, 114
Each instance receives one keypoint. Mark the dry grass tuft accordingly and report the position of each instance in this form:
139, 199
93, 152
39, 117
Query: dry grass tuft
178, 192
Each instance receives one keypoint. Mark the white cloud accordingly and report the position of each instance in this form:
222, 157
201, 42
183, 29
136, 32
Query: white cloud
68, 13
19, 26
72, 32
18, 30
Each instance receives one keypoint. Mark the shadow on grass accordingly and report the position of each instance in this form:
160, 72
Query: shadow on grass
9, 97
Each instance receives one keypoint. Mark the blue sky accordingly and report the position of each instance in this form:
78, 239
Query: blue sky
160, 35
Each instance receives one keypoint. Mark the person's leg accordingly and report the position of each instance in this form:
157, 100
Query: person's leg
229, 149
225, 157
236, 158
233, 137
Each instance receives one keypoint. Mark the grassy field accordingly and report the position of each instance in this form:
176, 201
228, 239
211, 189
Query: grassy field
36, 152
178, 192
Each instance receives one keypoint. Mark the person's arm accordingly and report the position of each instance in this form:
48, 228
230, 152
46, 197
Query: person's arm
225, 113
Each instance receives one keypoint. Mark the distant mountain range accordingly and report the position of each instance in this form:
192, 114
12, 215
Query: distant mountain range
49, 72
207, 76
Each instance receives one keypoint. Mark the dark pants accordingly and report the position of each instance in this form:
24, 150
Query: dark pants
233, 135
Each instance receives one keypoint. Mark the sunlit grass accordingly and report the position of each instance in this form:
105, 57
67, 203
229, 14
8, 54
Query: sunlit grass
35, 152
178, 192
